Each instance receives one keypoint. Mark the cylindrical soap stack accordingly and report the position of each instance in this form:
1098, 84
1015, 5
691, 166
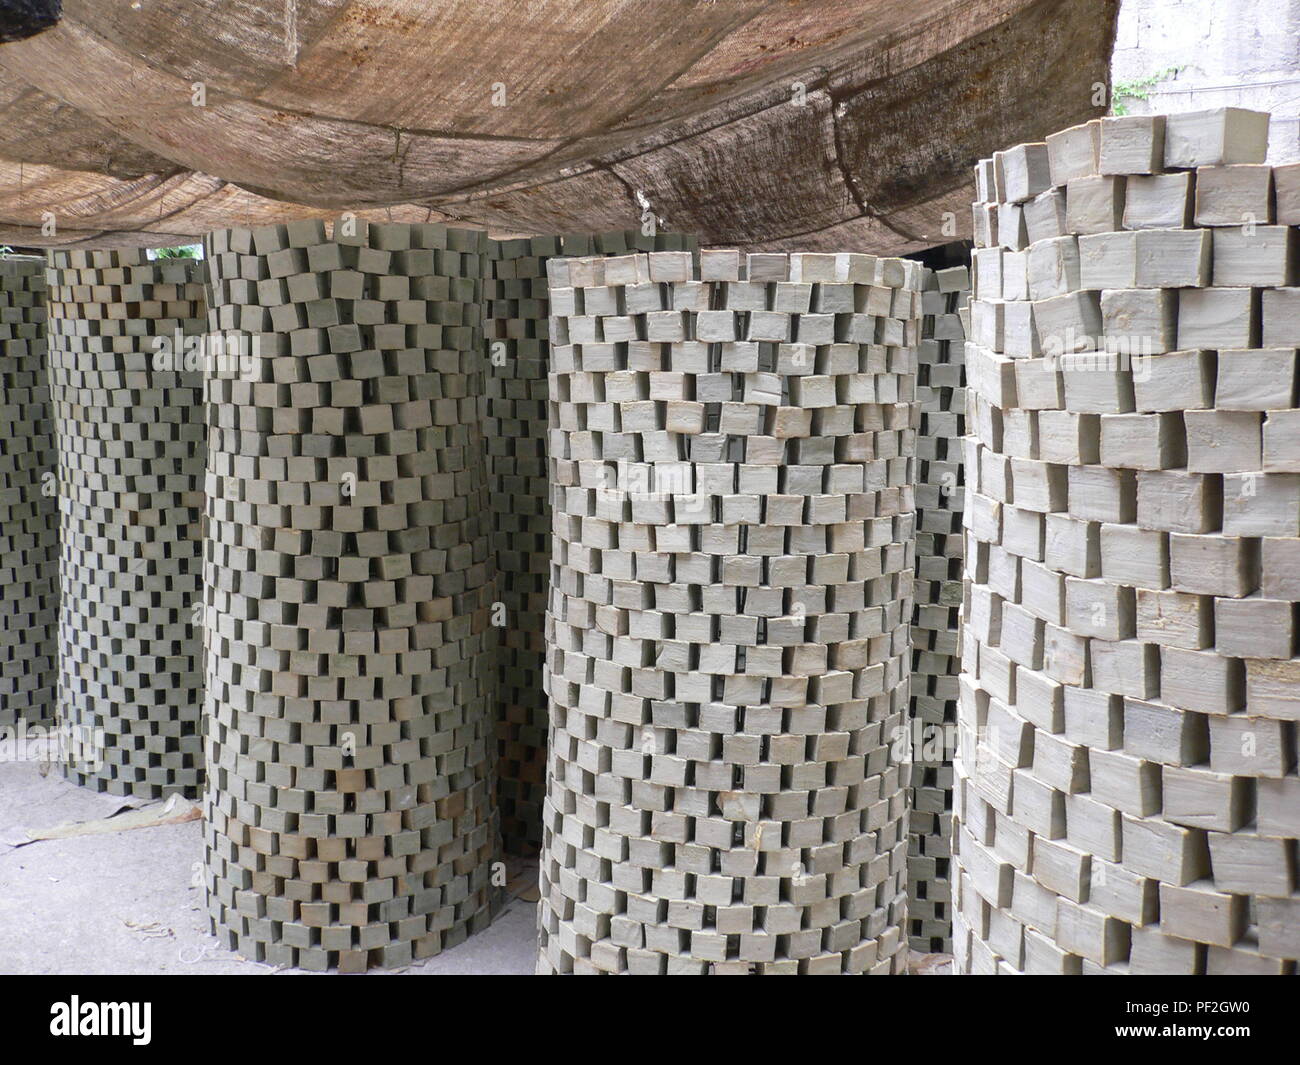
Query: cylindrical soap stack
1128, 798
349, 814
732, 455
29, 509
941, 392
127, 401
518, 357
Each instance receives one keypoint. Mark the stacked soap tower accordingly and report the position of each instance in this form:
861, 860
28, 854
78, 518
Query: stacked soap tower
518, 356
349, 590
732, 455
1127, 794
127, 399
29, 509
941, 393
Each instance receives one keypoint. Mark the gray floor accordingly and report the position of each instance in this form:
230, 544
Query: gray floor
128, 901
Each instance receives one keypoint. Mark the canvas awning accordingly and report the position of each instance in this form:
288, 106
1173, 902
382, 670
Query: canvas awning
804, 124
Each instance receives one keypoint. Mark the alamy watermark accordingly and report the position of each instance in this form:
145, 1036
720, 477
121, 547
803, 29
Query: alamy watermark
1074, 352
64, 744
224, 354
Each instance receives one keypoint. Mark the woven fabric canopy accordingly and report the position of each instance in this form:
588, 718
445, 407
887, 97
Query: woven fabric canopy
762, 123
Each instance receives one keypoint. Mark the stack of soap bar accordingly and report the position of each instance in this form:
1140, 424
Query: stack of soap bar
518, 357
127, 397
941, 392
732, 454
349, 815
29, 506
1127, 798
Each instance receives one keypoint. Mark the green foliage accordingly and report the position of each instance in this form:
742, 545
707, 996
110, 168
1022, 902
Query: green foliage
1138, 89
187, 251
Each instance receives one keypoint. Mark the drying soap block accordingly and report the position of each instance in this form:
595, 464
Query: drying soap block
1158, 201
1094, 204
1286, 194
1025, 172
1217, 137
1074, 152
1234, 195
1173, 258
1132, 144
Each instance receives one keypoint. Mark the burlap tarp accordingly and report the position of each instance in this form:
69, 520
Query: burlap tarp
762, 123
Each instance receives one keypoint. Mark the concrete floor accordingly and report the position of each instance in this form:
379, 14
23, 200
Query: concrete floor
131, 901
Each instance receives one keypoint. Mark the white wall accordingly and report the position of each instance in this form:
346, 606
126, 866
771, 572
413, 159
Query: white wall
1233, 53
